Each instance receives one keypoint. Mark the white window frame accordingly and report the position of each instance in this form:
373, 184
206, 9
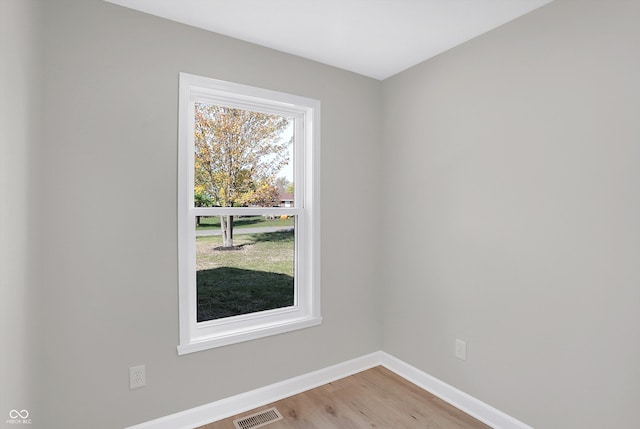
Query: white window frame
305, 312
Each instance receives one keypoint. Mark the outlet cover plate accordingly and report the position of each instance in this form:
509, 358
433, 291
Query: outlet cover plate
461, 349
137, 377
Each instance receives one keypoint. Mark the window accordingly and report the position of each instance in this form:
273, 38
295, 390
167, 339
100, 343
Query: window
248, 213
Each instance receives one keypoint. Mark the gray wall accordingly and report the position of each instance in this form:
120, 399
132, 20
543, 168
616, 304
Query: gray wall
516, 161
109, 245
19, 117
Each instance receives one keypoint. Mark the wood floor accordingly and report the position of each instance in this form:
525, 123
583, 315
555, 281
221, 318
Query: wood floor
375, 398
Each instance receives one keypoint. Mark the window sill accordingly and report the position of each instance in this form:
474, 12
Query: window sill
257, 331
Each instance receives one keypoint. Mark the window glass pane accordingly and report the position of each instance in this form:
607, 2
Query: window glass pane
254, 273
242, 158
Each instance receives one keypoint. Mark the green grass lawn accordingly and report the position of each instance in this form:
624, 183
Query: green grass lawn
256, 276
244, 222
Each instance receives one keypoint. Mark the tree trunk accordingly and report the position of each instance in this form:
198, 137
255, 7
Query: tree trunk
226, 227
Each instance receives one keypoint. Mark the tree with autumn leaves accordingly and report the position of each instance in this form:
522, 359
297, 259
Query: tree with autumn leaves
238, 154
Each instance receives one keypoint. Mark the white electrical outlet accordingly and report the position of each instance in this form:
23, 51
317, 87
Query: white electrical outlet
461, 349
137, 377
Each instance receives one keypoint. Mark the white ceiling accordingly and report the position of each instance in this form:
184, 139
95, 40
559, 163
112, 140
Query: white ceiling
376, 38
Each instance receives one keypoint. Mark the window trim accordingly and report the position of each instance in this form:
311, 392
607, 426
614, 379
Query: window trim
305, 313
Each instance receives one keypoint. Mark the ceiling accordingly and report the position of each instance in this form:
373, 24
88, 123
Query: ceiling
375, 38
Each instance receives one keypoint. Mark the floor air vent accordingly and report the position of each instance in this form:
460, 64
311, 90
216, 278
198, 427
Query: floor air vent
257, 420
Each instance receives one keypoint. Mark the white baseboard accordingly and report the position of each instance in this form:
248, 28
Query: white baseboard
462, 401
237, 404
233, 405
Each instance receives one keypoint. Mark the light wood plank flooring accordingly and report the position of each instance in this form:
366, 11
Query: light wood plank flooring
375, 398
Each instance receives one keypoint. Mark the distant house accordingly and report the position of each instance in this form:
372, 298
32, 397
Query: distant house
285, 199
